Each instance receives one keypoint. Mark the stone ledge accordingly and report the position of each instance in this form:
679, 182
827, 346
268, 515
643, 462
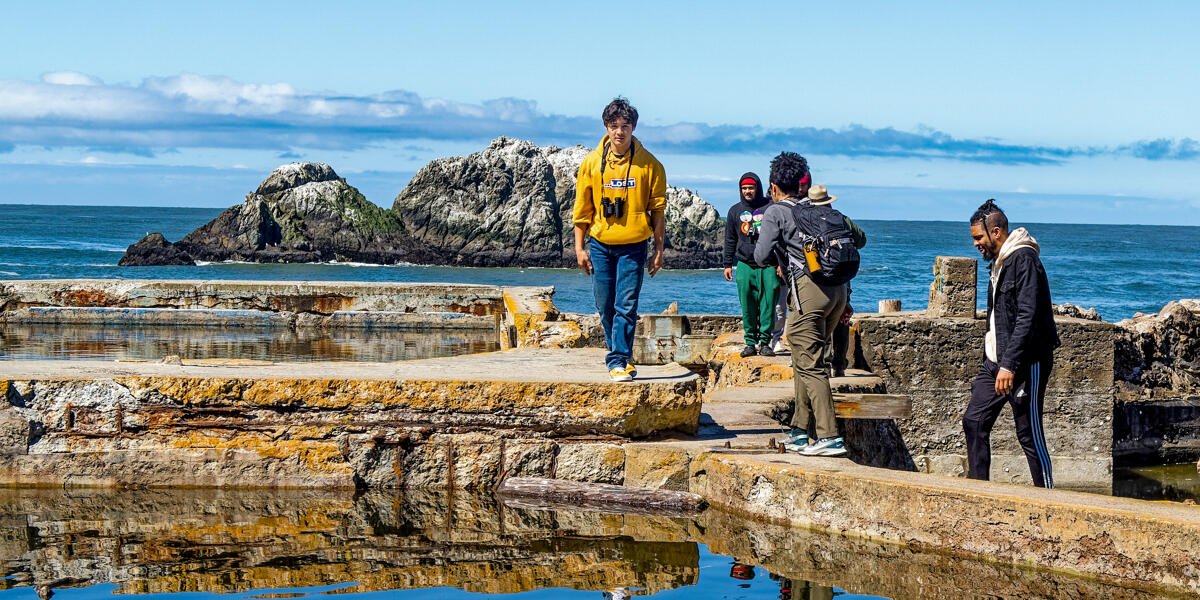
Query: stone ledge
321, 297
1092, 535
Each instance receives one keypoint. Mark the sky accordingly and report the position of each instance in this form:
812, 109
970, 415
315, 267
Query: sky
1064, 112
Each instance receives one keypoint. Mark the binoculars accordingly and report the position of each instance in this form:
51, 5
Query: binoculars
613, 208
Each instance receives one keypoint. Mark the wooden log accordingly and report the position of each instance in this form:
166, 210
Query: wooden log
872, 406
560, 493
889, 306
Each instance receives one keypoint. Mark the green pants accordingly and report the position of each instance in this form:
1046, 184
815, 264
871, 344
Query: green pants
814, 311
757, 288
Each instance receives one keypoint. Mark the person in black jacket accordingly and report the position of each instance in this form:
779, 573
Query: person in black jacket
758, 285
1018, 348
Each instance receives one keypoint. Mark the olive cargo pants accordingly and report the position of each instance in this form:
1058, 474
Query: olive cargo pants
814, 311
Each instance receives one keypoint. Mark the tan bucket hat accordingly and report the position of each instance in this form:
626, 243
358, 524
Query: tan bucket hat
820, 196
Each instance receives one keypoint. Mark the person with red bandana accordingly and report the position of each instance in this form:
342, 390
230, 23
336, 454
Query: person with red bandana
757, 285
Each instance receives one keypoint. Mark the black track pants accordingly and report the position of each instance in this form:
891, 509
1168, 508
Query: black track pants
1029, 387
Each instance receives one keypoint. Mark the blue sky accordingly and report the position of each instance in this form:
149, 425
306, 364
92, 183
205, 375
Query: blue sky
1075, 112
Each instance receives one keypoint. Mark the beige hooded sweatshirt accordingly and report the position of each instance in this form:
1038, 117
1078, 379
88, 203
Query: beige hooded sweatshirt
1019, 238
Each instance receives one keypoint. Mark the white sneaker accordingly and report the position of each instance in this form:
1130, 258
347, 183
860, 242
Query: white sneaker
833, 446
778, 346
796, 441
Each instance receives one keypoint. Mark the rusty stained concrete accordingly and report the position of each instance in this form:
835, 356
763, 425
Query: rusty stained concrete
317, 297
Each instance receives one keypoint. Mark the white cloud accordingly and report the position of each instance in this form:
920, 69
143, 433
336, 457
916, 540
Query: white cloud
70, 78
73, 110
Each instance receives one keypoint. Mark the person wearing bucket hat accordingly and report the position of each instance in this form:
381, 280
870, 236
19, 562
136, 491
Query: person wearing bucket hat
835, 353
819, 196
757, 285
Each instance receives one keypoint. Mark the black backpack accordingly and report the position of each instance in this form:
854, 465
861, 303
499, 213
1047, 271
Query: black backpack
823, 232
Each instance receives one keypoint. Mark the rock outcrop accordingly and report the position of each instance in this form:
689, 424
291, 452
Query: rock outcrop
512, 205
1161, 353
154, 249
509, 205
492, 208
1067, 309
302, 212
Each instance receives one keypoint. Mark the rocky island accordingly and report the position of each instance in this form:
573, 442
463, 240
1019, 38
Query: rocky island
507, 206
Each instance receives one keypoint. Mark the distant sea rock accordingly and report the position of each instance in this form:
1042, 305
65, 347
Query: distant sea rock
491, 208
512, 204
509, 205
302, 212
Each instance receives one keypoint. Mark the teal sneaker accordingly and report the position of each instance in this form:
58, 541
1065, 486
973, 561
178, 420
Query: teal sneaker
796, 441
833, 446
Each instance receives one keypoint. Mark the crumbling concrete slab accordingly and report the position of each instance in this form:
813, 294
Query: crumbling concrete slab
319, 297
1088, 534
430, 423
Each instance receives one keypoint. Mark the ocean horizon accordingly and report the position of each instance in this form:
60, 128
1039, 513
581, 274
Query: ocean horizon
1119, 270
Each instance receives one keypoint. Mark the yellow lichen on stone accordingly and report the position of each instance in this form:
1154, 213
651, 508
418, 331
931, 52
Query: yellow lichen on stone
656, 467
737, 370
321, 456
187, 391
554, 334
526, 313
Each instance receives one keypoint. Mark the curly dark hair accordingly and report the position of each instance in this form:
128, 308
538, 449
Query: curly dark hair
988, 215
787, 170
619, 108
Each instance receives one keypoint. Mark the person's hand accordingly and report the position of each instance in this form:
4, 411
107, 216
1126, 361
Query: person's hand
655, 263
1004, 382
779, 272
585, 261
728, 273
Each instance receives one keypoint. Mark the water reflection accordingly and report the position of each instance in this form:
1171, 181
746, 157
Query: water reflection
171, 542
282, 543
1178, 483
75, 342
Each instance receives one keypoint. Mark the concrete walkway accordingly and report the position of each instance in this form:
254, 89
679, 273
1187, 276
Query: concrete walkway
579, 366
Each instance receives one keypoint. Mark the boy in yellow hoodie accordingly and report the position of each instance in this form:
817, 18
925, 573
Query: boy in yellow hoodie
620, 199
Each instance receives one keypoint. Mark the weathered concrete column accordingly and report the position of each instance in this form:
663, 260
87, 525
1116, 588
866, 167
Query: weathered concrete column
952, 293
889, 306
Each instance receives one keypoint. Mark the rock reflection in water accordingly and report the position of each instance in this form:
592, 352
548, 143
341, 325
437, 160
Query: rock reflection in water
172, 541
816, 562
94, 342
213, 541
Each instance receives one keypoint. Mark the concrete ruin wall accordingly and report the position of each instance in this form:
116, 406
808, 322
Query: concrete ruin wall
318, 298
935, 359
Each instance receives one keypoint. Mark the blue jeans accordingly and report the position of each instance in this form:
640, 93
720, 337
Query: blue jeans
617, 280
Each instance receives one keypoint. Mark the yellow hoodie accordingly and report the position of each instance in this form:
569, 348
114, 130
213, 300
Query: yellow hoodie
645, 191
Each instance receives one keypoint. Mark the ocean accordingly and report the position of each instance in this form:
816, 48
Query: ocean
1117, 269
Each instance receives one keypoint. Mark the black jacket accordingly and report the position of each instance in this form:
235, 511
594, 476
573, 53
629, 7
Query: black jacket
1025, 330
742, 223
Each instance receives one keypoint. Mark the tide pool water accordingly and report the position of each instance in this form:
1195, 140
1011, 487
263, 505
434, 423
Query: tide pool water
96, 544
1117, 269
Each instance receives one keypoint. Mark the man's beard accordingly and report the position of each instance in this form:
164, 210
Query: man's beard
989, 255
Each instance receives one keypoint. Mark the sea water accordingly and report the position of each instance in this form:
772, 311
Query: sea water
1117, 269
